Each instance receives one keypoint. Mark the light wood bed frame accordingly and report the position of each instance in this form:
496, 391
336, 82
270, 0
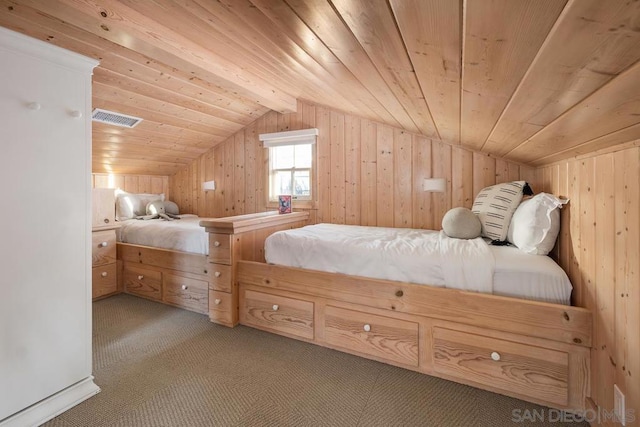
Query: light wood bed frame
530, 350
189, 280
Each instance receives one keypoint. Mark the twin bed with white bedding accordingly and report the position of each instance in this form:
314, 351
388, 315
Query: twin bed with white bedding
184, 234
488, 316
492, 317
422, 257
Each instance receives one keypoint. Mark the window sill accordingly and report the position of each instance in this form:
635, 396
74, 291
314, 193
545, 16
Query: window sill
295, 204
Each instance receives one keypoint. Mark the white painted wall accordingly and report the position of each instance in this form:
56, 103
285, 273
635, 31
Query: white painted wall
45, 280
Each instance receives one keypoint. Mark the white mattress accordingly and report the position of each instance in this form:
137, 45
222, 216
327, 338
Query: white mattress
421, 257
184, 234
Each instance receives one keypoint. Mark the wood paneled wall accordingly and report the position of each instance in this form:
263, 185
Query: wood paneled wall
367, 173
600, 251
133, 183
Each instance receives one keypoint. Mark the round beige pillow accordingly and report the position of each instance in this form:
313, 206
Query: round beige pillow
461, 223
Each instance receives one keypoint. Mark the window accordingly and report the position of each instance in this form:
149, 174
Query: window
291, 159
290, 169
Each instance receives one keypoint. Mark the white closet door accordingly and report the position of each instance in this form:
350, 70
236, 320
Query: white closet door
45, 341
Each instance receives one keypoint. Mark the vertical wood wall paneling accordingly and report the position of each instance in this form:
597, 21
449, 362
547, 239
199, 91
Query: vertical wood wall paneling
604, 288
462, 183
323, 155
422, 203
352, 171
627, 278
134, 183
441, 167
384, 186
484, 171
337, 165
239, 176
366, 173
251, 168
600, 251
228, 188
402, 170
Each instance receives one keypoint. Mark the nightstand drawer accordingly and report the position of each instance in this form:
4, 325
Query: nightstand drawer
385, 338
103, 280
276, 313
185, 292
142, 282
541, 373
220, 248
221, 277
103, 245
221, 308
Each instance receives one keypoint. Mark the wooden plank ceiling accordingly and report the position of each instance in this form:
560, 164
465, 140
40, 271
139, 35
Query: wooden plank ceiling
530, 80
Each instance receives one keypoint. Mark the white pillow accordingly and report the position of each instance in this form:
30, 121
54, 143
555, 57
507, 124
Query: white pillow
130, 205
495, 205
536, 223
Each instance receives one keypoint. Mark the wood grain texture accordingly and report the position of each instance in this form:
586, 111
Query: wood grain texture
599, 251
543, 373
441, 332
385, 338
367, 173
540, 80
496, 55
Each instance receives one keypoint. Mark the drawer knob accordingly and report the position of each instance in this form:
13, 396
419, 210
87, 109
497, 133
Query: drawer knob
217, 301
184, 287
140, 277
106, 220
275, 307
103, 274
216, 243
217, 274
103, 244
495, 356
367, 327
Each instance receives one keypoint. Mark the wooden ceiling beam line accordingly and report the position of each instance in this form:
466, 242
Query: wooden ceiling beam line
328, 26
617, 103
545, 43
126, 27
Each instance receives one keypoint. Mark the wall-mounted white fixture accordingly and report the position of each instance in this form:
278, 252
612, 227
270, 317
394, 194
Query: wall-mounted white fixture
436, 185
209, 185
34, 106
291, 137
76, 114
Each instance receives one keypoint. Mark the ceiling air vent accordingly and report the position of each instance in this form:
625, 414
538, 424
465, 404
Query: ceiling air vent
113, 118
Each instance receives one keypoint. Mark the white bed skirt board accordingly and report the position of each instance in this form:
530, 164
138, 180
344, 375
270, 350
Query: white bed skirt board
54, 405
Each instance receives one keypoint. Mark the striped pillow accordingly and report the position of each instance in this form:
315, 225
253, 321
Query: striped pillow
495, 206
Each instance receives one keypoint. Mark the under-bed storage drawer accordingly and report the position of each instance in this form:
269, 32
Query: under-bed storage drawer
103, 247
277, 314
103, 281
222, 277
220, 248
382, 337
540, 372
143, 282
185, 292
221, 308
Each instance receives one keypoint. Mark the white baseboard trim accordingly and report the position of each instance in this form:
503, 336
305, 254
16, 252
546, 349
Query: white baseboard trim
54, 405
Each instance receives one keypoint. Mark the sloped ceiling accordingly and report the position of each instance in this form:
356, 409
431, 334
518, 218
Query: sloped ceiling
530, 80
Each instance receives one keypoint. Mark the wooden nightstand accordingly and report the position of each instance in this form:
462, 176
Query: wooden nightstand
103, 244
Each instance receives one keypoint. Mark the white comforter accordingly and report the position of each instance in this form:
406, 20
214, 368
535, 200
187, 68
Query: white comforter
184, 234
399, 254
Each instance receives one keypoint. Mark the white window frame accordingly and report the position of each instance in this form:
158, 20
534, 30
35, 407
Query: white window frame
289, 138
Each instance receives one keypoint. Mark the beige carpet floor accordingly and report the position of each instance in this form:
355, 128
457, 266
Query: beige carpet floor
162, 366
